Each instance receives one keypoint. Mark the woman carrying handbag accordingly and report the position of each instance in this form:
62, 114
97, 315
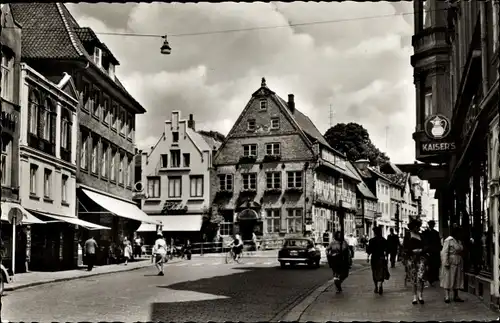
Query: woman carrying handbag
339, 259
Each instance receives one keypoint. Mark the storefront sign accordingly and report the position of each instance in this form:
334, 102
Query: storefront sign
437, 126
359, 222
427, 148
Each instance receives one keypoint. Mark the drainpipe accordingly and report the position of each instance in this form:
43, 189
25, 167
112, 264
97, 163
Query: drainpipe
484, 47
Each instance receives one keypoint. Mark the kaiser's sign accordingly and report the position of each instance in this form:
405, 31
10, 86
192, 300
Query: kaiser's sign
437, 127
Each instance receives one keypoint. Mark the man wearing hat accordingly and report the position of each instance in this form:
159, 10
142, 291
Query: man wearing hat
433, 242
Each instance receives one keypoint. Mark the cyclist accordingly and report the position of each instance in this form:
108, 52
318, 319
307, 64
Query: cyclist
237, 246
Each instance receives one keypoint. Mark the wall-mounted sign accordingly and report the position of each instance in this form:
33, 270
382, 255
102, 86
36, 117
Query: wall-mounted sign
437, 126
427, 148
359, 221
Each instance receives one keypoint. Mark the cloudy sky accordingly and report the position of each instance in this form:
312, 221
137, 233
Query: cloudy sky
359, 64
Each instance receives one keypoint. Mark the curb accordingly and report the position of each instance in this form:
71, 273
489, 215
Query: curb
296, 312
56, 280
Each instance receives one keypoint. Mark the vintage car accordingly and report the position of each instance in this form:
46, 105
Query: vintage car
5, 279
299, 250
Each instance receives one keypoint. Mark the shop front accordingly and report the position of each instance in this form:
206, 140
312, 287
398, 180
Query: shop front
178, 228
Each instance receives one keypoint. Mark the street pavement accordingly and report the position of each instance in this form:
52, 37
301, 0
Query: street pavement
198, 290
358, 302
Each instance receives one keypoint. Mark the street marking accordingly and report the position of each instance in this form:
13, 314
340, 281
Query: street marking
197, 264
250, 263
217, 263
180, 265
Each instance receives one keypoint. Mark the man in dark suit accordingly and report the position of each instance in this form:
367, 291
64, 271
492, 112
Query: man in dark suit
432, 241
393, 246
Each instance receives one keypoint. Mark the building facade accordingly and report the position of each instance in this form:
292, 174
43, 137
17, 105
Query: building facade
175, 184
366, 205
456, 78
106, 118
10, 37
47, 162
276, 175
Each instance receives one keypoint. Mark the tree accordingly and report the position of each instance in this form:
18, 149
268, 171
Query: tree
353, 140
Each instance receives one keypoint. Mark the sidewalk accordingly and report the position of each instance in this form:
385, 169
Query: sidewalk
39, 278
359, 303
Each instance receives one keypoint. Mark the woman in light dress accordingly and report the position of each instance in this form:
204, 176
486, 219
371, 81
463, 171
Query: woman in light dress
127, 250
452, 274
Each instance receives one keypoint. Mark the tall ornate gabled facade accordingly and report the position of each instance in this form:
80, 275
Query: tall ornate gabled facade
277, 176
175, 184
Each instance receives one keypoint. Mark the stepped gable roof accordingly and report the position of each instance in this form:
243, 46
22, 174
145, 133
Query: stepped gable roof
51, 32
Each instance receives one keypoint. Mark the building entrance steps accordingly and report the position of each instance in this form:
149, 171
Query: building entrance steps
38, 278
358, 302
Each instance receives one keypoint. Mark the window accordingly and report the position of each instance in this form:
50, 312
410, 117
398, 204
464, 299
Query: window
153, 187
112, 170
98, 56
87, 100
164, 160
386, 208
66, 126
121, 122
125, 123
34, 102
104, 159
7, 77
275, 123
427, 14
428, 104
273, 218
175, 136
251, 125
33, 183
97, 103
295, 179
114, 115
93, 167
47, 183
226, 182
187, 160
83, 151
249, 181
273, 149
130, 120
174, 186
46, 121
121, 169
273, 180
64, 188
263, 104
294, 221
111, 71
196, 186
128, 173
6, 159
175, 156
105, 110
226, 228
359, 203
250, 150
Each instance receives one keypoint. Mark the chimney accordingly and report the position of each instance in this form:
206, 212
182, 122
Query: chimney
191, 122
362, 164
291, 103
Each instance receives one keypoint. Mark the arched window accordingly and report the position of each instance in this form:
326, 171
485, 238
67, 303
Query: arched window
47, 121
33, 104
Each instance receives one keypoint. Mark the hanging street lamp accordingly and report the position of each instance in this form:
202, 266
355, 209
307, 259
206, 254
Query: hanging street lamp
165, 48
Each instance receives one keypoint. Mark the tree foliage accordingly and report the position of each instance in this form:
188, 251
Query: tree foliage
353, 140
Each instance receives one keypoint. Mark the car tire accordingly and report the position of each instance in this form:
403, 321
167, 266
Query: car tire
282, 264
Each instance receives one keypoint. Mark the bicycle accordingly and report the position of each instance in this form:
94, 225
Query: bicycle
231, 256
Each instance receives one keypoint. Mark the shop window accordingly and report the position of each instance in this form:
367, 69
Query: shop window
273, 219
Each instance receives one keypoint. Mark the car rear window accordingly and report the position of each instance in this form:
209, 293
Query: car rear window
297, 243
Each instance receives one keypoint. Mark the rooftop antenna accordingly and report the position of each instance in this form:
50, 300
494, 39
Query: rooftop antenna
386, 137
331, 116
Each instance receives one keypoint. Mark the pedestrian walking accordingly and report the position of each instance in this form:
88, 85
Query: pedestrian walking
432, 241
378, 250
339, 259
326, 239
127, 250
352, 242
137, 247
400, 250
159, 253
414, 249
90, 252
452, 275
392, 246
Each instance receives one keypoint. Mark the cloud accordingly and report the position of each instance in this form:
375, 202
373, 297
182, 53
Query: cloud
358, 64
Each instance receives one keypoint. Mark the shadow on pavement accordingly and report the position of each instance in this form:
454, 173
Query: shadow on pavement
252, 294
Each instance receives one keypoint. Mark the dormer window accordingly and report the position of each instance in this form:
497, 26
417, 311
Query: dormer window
111, 71
98, 56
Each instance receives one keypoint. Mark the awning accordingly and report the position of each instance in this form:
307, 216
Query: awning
120, 208
174, 223
72, 220
27, 217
